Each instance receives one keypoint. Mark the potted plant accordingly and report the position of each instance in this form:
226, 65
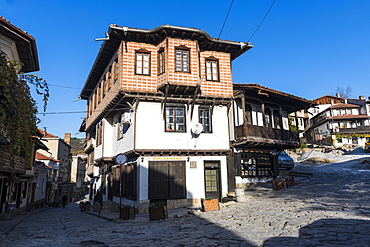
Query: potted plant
158, 210
127, 212
210, 204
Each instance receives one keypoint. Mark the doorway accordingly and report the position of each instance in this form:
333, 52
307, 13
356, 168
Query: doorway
212, 179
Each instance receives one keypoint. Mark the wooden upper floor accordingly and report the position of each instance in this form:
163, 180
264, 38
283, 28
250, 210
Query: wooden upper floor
261, 117
162, 61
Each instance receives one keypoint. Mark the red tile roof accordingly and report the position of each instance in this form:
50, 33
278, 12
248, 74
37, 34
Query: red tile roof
343, 105
46, 134
40, 156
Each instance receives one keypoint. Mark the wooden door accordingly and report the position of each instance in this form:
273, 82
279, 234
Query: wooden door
212, 180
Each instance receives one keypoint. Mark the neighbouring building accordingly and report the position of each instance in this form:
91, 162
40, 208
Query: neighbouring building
60, 150
157, 116
338, 121
15, 182
260, 131
46, 179
78, 175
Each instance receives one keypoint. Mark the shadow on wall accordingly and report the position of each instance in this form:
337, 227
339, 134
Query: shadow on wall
328, 232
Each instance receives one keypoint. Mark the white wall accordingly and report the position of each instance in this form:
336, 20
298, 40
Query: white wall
150, 130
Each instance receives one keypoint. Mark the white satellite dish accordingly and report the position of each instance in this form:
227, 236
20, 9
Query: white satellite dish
197, 128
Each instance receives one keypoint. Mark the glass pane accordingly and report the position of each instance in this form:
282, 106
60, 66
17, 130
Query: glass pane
170, 127
179, 120
169, 111
169, 119
180, 127
179, 112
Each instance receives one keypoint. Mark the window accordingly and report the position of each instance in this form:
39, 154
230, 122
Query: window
268, 117
248, 114
212, 70
119, 128
142, 62
175, 118
115, 70
122, 127
161, 61
256, 164
99, 134
182, 59
205, 119
277, 119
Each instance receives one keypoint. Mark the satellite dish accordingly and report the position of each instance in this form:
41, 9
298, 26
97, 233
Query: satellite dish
197, 128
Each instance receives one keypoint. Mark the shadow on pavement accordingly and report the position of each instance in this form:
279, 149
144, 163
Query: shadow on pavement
328, 232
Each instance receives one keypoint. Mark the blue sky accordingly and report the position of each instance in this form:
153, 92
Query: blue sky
307, 48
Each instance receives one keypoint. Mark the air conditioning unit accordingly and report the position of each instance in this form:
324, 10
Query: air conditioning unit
126, 117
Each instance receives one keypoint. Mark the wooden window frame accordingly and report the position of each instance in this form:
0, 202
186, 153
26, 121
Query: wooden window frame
115, 71
99, 134
161, 61
175, 116
215, 72
202, 118
184, 50
142, 52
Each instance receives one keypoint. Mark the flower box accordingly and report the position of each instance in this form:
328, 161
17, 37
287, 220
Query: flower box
127, 213
289, 182
210, 205
278, 184
157, 213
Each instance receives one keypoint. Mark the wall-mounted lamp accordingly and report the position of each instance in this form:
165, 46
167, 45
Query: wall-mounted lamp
142, 159
188, 159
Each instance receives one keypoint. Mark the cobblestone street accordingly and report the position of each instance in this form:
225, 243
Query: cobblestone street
331, 208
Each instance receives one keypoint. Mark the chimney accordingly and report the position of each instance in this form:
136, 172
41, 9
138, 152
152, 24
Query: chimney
67, 138
338, 95
362, 97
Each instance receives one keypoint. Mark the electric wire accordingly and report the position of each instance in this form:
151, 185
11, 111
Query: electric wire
263, 19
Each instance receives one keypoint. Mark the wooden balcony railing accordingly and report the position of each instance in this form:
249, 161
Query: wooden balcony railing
358, 130
266, 133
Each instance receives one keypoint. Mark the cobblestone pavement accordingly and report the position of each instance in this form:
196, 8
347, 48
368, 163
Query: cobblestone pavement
332, 208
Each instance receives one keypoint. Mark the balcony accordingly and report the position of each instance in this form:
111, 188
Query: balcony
264, 137
19, 165
357, 130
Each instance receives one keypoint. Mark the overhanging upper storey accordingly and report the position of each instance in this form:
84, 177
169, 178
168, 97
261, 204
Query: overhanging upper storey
116, 35
25, 45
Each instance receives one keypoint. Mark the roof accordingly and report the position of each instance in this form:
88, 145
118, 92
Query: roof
46, 134
40, 156
116, 34
343, 105
327, 99
294, 103
26, 45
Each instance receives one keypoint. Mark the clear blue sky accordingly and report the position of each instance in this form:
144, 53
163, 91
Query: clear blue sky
304, 47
